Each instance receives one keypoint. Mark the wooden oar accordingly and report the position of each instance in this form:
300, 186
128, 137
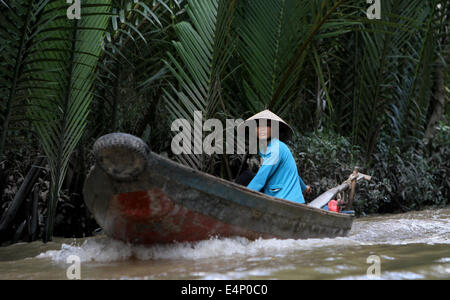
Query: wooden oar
326, 197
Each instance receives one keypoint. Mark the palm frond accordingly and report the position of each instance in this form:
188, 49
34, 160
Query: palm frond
18, 24
203, 51
131, 72
67, 54
275, 43
379, 71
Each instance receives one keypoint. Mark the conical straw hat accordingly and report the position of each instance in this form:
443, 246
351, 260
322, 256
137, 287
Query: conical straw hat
268, 115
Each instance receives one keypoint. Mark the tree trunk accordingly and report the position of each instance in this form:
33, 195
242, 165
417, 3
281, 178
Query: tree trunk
22, 194
319, 104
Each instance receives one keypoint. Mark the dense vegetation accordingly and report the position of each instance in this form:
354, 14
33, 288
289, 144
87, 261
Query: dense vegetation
357, 91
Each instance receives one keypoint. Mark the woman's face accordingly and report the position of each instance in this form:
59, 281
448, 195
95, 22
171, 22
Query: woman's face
264, 132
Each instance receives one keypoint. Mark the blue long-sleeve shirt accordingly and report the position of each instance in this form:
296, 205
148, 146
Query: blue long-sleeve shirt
278, 175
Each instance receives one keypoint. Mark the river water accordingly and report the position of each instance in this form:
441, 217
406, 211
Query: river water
412, 245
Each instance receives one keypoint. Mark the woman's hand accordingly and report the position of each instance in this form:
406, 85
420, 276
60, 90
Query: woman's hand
308, 190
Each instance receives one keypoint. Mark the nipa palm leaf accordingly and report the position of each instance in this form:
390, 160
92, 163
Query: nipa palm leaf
65, 56
19, 23
203, 49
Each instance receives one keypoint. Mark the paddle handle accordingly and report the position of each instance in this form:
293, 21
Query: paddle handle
326, 197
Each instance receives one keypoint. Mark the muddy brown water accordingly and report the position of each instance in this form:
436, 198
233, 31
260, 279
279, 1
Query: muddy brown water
412, 245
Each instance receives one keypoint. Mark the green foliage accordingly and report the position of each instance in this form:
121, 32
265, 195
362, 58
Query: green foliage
384, 62
59, 106
204, 50
131, 73
404, 181
51, 65
267, 30
439, 162
324, 159
18, 29
409, 179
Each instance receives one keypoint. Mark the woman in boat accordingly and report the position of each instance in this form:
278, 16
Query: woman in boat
278, 175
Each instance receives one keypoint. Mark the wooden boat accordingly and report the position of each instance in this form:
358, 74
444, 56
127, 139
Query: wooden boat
140, 197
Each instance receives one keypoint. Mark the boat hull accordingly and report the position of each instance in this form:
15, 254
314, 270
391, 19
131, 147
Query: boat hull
169, 202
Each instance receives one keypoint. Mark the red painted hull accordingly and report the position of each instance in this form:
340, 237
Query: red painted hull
148, 217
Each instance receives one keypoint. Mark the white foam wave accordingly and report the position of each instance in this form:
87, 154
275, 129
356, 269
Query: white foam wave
104, 249
95, 249
401, 231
